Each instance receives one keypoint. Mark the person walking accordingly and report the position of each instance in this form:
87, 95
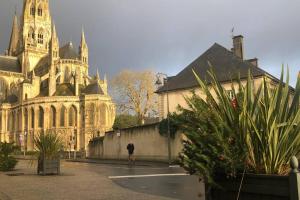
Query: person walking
130, 149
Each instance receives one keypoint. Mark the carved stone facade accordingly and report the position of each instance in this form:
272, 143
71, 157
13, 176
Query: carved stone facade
45, 87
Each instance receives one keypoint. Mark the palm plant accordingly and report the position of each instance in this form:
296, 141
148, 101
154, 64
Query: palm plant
256, 131
48, 146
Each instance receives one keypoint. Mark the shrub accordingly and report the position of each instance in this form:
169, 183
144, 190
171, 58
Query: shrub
256, 131
7, 162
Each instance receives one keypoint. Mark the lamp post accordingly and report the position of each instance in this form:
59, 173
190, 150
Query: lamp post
159, 83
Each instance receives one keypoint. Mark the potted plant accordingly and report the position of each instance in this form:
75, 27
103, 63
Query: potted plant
7, 161
241, 144
48, 147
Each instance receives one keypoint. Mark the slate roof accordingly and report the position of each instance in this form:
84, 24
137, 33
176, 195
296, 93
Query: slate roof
10, 64
68, 52
65, 89
93, 88
10, 99
226, 65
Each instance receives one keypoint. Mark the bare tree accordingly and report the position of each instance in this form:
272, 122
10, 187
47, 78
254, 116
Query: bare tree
134, 91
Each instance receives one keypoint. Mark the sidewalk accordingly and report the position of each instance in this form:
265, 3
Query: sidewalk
121, 162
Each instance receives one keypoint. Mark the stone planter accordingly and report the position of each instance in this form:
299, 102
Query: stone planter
262, 187
253, 187
48, 167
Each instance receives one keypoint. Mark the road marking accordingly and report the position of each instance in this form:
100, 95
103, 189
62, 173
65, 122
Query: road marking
147, 175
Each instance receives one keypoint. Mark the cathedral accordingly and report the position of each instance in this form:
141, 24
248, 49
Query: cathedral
45, 87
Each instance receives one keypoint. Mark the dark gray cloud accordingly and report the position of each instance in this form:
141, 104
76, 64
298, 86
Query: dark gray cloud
166, 35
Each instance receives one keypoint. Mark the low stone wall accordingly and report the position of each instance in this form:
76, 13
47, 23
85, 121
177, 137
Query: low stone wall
149, 144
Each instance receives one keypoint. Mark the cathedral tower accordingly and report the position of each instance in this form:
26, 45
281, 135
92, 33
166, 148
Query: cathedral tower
35, 30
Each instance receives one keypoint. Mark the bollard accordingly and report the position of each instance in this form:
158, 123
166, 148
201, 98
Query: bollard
294, 179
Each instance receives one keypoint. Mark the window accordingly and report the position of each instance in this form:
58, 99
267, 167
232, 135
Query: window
41, 117
32, 10
40, 38
62, 116
72, 116
31, 33
53, 117
32, 118
40, 11
26, 119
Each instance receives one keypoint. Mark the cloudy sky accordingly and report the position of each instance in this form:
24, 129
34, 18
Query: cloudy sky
166, 35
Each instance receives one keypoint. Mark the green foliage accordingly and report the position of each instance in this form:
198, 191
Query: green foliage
257, 131
125, 121
163, 125
48, 146
7, 162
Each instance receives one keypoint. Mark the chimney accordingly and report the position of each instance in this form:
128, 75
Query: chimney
238, 46
253, 61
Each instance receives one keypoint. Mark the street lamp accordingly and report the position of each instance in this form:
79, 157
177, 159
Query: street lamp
159, 83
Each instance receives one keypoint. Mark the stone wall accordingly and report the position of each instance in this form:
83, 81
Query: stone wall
149, 144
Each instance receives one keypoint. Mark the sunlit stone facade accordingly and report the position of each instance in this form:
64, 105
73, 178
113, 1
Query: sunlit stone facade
45, 87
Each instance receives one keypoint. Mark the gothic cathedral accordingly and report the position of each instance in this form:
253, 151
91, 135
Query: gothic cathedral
45, 87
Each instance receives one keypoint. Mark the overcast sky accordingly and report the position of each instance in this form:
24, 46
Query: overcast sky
166, 35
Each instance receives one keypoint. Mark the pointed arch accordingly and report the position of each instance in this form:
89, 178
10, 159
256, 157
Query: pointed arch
52, 117
40, 10
41, 117
41, 36
26, 119
103, 114
63, 116
32, 118
31, 34
72, 116
32, 9
82, 116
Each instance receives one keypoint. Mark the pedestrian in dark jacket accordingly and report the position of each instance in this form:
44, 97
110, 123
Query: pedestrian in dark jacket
130, 149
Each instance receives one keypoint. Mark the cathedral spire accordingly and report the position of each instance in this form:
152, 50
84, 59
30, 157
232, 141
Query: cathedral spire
54, 45
83, 49
14, 38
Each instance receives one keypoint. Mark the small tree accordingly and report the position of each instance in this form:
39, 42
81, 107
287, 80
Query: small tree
134, 92
125, 121
7, 161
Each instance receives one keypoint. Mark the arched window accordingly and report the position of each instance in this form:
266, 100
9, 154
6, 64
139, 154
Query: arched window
3, 89
32, 118
53, 117
103, 117
40, 11
82, 116
62, 116
26, 119
72, 116
31, 34
92, 114
41, 117
32, 10
40, 37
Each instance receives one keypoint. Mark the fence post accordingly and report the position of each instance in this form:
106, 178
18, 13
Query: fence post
294, 179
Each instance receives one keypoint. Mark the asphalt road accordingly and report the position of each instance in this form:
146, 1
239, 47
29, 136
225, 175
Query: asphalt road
100, 181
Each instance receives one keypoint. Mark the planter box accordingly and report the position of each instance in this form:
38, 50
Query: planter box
48, 167
262, 187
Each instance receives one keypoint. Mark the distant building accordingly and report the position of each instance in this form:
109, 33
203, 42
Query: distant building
226, 64
45, 87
